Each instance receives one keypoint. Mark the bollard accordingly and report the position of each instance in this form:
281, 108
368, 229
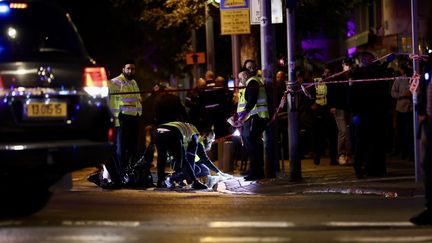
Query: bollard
228, 156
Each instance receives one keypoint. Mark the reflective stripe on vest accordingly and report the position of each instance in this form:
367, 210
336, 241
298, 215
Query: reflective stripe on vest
129, 99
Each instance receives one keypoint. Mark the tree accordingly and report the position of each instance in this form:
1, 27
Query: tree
157, 32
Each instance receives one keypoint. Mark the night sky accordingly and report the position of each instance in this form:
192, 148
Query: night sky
103, 30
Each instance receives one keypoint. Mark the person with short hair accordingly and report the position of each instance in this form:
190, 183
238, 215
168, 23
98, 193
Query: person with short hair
252, 110
125, 104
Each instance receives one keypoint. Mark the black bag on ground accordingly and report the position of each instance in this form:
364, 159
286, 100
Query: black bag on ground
138, 171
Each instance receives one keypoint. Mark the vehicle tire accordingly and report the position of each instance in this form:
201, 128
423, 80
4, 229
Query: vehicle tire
23, 202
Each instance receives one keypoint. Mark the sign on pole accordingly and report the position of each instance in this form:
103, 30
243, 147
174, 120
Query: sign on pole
234, 17
232, 4
276, 11
195, 58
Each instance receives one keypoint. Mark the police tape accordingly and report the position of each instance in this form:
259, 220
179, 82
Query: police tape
172, 90
414, 81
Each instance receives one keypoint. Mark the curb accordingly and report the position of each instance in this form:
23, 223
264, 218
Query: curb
386, 187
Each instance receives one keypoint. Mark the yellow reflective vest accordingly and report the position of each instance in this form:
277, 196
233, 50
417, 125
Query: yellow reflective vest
261, 107
321, 92
186, 129
128, 104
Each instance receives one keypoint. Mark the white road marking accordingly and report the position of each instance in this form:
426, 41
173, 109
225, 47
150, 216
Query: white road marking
87, 238
369, 224
101, 223
243, 239
387, 239
250, 224
10, 223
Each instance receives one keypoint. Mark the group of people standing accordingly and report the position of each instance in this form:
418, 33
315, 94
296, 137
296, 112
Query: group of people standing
349, 117
177, 140
346, 112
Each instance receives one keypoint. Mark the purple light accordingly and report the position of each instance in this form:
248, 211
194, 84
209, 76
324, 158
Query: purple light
351, 51
350, 28
351, 32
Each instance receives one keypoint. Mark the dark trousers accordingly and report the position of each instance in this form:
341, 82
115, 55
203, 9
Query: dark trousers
171, 142
405, 134
370, 144
253, 129
126, 141
426, 143
325, 130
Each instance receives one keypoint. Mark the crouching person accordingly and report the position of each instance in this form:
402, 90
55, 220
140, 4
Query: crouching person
183, 143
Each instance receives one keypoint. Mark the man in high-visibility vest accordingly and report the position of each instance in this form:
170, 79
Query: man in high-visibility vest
125, 104
183, 143
252, 110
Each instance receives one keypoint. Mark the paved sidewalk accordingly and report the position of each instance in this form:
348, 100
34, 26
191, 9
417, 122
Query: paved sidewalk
400, 181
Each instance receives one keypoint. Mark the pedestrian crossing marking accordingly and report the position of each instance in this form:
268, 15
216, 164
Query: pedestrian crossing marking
244, 239
250, 224
386, 239
369, 224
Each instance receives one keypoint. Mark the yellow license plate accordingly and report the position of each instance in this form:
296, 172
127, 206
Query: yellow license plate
41, 110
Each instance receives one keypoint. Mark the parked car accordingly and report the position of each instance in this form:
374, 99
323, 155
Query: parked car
54, 115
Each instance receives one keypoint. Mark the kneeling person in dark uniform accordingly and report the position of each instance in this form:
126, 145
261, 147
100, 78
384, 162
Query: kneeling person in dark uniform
183, 142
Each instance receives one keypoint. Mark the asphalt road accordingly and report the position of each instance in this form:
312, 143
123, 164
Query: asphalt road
90, 214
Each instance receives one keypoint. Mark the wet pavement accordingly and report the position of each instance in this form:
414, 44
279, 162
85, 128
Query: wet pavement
325, 178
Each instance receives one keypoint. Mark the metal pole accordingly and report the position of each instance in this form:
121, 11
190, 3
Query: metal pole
295, 163
195, 66
267, 66
235, 57
416, 69
209, 40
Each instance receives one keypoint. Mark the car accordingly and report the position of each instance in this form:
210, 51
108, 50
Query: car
54, 113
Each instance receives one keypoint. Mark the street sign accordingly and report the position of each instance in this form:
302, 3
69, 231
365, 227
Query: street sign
233, 4
235, 17
195, 58
276, 11
235, 22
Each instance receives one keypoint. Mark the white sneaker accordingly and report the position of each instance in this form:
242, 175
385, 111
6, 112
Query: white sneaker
168, 182
105, 174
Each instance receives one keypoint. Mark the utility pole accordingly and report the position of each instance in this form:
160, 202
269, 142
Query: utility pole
295, 162
195, 65
209, 40
267, 66
235, 58
416, 69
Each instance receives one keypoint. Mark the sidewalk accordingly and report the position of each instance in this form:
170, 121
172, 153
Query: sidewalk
400, 181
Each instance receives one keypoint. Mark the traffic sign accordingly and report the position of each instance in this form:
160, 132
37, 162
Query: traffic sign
235, 17
233, 4
276, 11
195, 58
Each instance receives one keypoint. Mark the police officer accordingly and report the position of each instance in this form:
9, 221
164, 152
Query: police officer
125, 104
252, 110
